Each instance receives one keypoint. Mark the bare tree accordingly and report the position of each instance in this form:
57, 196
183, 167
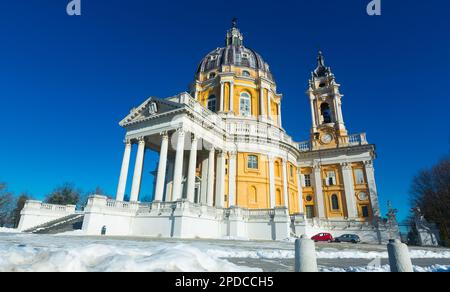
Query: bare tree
66, 194
430, 191
6, 201
20, 203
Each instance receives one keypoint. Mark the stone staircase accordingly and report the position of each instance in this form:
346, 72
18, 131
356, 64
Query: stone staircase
65, 224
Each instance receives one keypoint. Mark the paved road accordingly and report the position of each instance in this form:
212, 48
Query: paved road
287, 265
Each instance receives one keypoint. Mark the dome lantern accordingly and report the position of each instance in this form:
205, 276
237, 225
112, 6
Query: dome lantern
234, 36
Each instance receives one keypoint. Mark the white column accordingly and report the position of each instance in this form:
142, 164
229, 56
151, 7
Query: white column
178, 172
319, 191
285, 184
279, 116
232, 97
192, 169
347, 174
340, 110
124, 172
313, 112
268, 105
210, 190
300, 193
161, 176
169, 180
220, 180
370, 173
336, 110
261, 101
272, 182
137, 177
232, 179
222, 95
204, 184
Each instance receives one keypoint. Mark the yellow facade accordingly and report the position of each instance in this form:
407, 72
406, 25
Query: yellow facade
224, 75
252, 184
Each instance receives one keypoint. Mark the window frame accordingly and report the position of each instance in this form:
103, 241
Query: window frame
212, 98
246, 73
252, 164
333, 178
247, 98
307, 180
335, 203
361, 172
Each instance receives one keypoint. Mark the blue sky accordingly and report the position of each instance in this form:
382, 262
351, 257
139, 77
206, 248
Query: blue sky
66, 82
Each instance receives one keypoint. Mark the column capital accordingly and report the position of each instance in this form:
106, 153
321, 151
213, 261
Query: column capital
180, 131
127, 142
194, 137
346, 165
368, 164
271, 158
317, 166
141, 140
164, 134
232, 153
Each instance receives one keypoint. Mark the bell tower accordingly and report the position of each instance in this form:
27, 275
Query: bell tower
328, 128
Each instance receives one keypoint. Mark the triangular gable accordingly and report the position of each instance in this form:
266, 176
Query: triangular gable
151, 107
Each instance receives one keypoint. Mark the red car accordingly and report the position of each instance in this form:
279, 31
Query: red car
322, 237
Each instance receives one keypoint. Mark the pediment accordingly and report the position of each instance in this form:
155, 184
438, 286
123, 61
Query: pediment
152, 107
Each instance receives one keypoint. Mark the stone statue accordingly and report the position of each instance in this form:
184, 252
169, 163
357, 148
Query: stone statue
428, 234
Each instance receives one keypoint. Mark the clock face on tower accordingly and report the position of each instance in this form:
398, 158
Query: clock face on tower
326, 138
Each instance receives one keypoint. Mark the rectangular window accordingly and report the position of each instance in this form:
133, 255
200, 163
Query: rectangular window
212, 104
291, 170
331, 178
359, 177
307, 178
252, 162
365, 211
309, 212
245, 106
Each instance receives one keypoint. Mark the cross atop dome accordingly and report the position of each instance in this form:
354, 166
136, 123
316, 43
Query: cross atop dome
234, 36
234, 22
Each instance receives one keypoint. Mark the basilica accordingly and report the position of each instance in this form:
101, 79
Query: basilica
228, 169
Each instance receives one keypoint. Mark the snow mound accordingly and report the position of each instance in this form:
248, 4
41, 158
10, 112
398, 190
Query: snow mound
109, 258
72, 233
8, 230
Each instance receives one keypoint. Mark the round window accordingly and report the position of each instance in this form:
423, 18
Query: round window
309, 198
363, 196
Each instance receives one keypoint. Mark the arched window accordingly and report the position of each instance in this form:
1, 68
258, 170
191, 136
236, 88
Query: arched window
278, 197
326, 113
245, 105
212, 103
252, 162
334, 202
246, 73
277, 169
212, 75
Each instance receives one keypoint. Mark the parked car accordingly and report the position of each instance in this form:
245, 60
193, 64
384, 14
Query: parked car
322, 237
348, 238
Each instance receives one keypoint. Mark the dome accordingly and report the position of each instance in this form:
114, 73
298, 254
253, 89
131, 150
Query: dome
234, 54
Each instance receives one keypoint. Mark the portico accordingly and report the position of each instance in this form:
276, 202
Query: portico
185, 158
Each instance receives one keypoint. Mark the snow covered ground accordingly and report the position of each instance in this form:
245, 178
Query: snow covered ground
74, 252
8, 230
